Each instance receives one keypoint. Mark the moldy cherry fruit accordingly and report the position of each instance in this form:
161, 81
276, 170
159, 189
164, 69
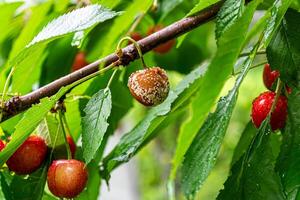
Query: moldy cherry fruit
67, 178
2, 145
261, 107
149, 86
270, 77
72, 145
79, 61
29, 156
165, 47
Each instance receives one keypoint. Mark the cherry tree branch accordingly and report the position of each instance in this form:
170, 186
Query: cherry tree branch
18, 104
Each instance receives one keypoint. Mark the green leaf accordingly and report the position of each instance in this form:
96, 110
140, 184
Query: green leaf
28, 71
38, 15
9, 24
244, 142
168, 6
121, 25
5, 192
228, 14
230, 45
278, 10
131, 142
74, 21
93, 185
202, 5
254, 176
51, 130
288, 163
95, 123
32, 117
201, 155
284, 50
31, 187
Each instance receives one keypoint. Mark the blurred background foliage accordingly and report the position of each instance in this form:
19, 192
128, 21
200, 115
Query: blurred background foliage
153, 162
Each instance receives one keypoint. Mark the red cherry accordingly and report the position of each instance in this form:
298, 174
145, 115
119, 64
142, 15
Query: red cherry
136, 36
2, 145
165, 47
270, 77
67, 178
149, 86
261, 107
29, 156
79, 61
72, 145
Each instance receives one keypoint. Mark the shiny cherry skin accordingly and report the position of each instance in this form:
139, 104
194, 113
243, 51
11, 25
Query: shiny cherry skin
165, 47
270, 77
261, 107
67, 178
29, 156
2, 145
79, 61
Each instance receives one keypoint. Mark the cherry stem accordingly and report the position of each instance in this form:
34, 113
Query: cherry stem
111, 78
252, 67
60, 119
136, 23
248, 53
136, 45
5, 90
278, 92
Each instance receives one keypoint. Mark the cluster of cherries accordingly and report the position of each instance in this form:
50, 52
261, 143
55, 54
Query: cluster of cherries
261, 105
65, 178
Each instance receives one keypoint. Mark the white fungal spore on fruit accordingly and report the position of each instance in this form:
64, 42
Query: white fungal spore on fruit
149, 86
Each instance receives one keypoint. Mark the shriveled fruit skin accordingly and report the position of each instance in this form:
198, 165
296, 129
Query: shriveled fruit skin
270, 77
67, 178
149, 86
165, 47
29, 156
79, 61
261, 107
72, 145
2, 145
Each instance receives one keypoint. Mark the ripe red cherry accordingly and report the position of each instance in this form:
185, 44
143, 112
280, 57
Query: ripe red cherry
29, 156
165, 47
261, 107
270, 77
136, 36
149, 86
79, 61
67, 178
2, 145
72, 145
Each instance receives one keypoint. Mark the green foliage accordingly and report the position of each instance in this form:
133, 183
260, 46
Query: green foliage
284, 49
202, 5
244, 142
40, 55
254, 176
95, 123
28, 123
135, 139
229, 13
22, 188
288, 161
222, 60
202, 153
